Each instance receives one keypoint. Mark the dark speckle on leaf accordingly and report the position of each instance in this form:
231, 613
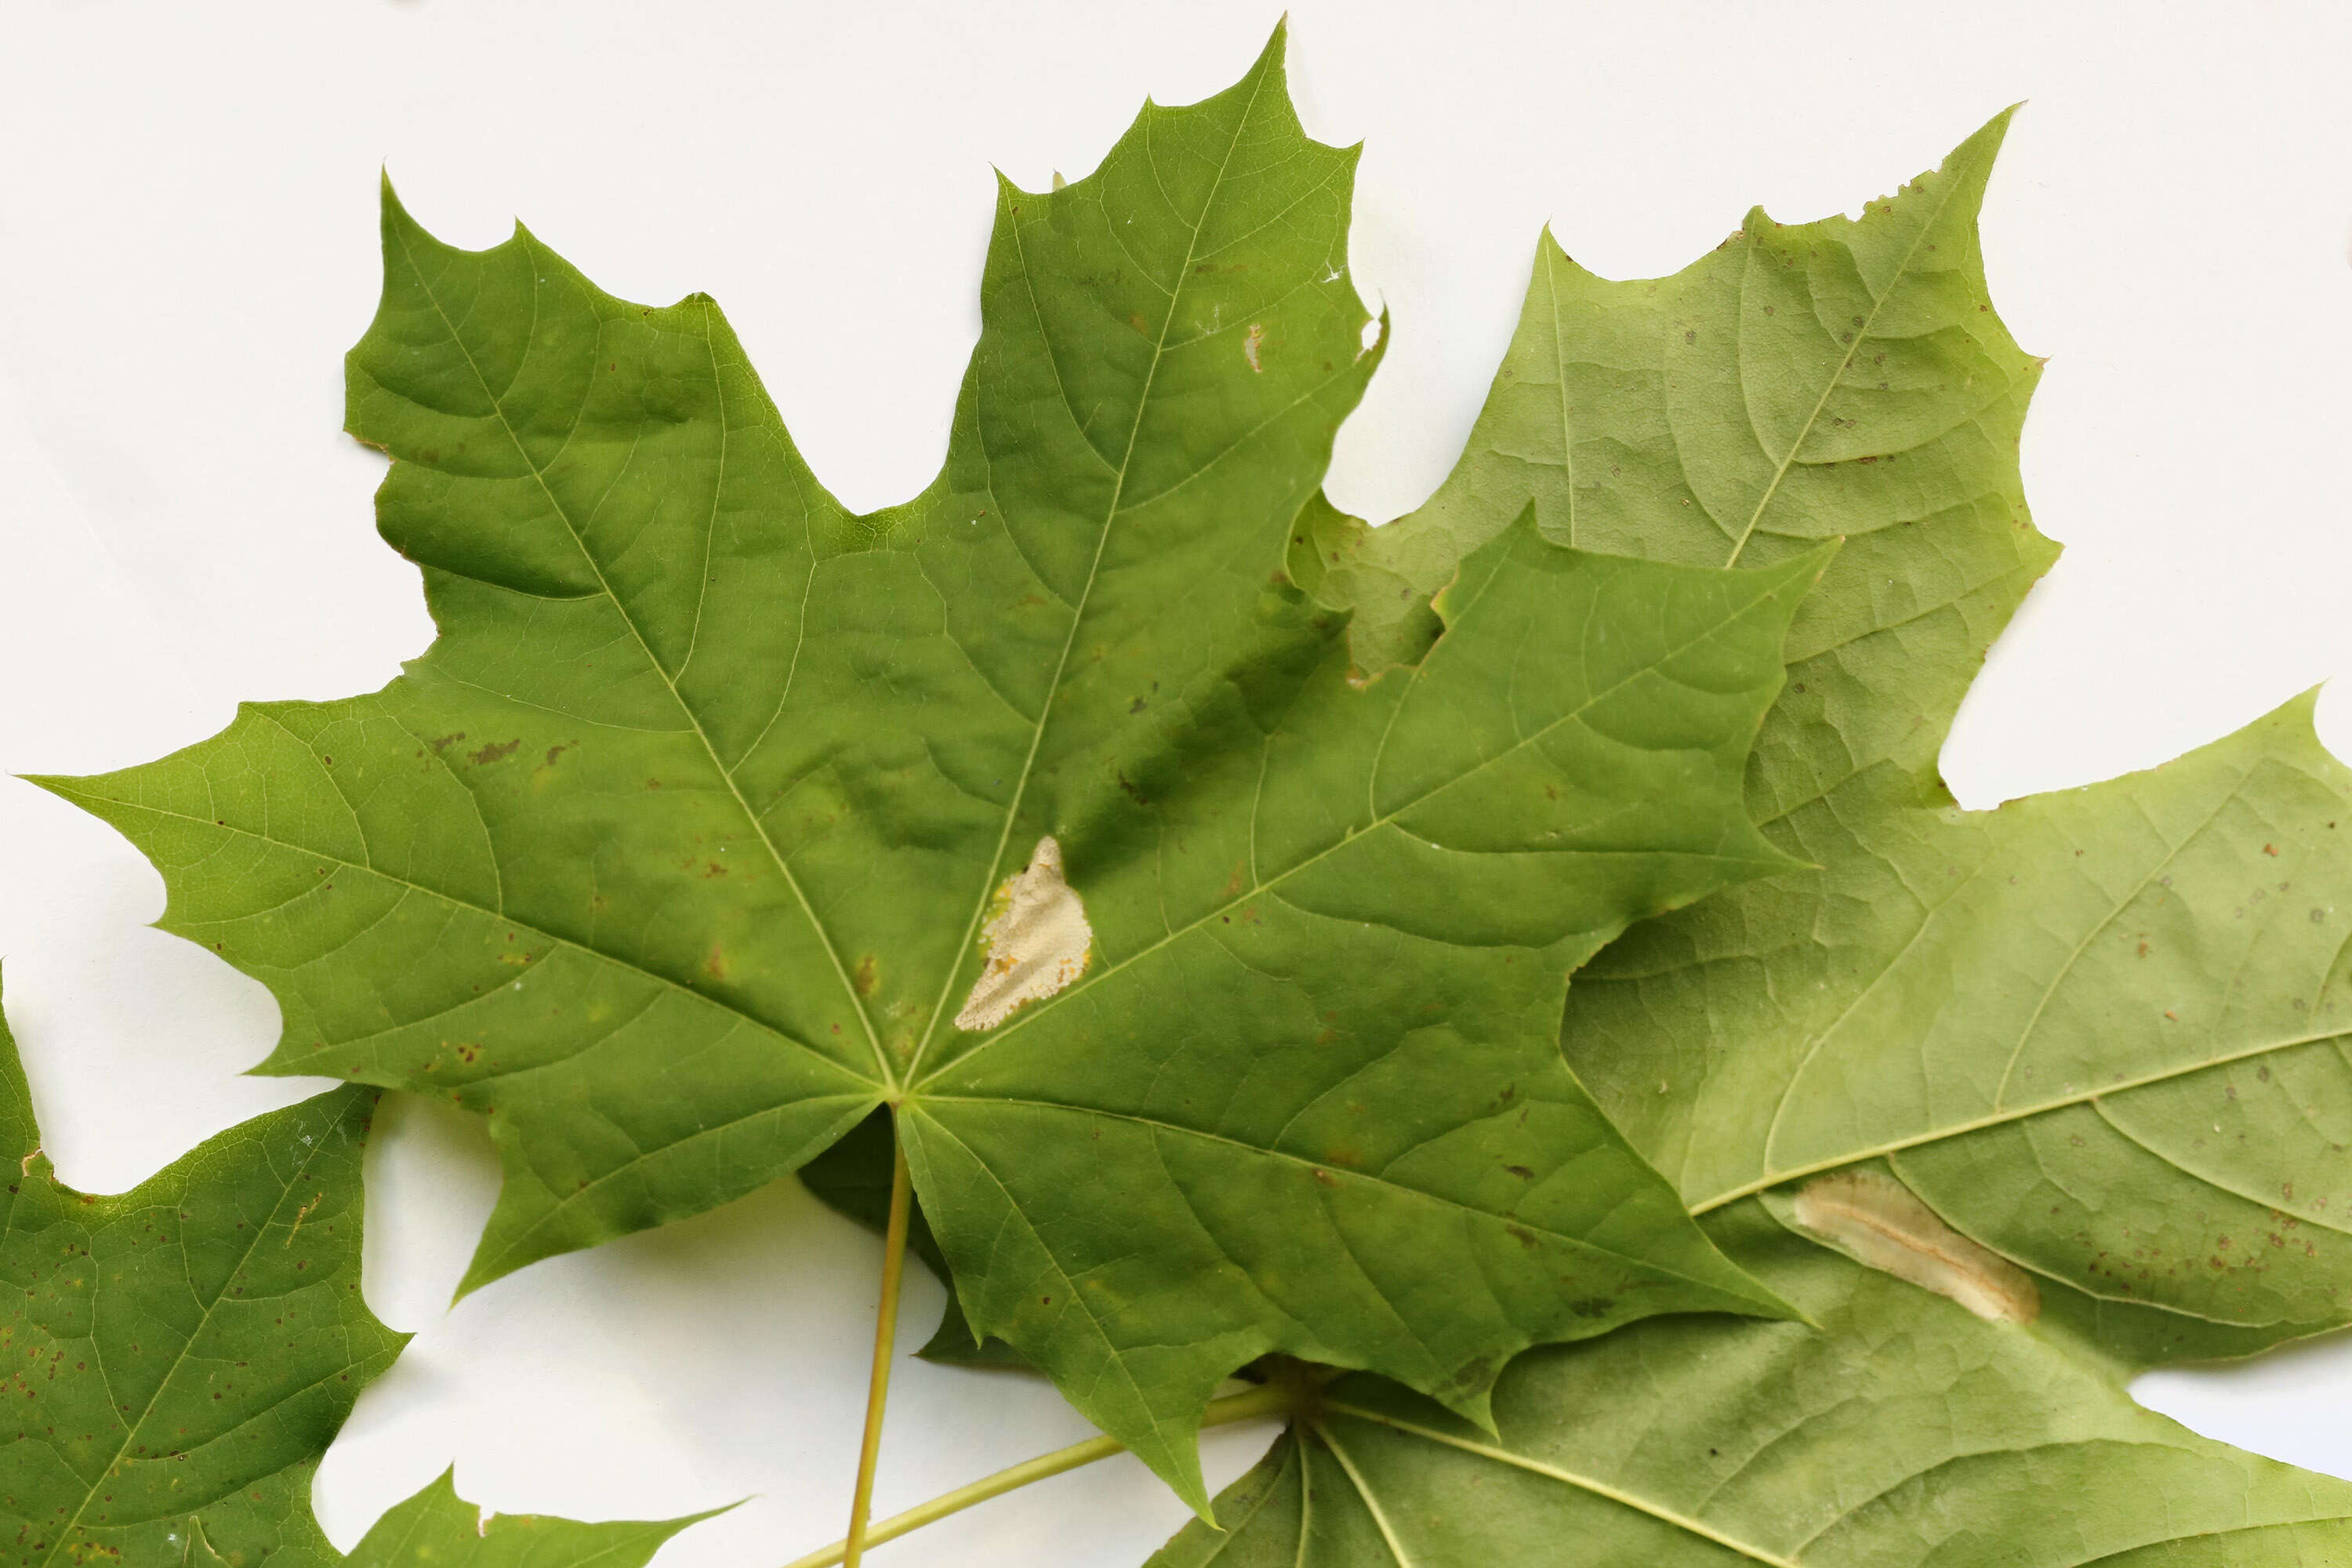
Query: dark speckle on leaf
497, 752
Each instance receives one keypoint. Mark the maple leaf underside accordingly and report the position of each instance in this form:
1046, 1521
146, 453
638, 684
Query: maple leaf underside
2099, 1033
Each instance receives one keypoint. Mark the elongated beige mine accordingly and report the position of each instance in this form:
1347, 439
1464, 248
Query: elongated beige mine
1882, 1223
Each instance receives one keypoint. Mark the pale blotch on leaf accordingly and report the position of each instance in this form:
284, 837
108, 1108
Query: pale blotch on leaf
1039, 943
1881, 1223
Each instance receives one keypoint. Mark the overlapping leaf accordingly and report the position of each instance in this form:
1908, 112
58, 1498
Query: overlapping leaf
677, 854
1902, 1432
1845, 378
2093, 1029
2100, 1031
2097, 1030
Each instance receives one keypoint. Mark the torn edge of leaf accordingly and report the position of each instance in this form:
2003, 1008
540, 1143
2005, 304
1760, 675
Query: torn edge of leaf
1882, 1223
1039, 943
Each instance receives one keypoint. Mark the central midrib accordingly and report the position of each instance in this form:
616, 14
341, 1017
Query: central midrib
1266, 1151
1622, 1499
505, 918
1085, 594
1372, 1504
1861, 334
132, 1430
2002, 1119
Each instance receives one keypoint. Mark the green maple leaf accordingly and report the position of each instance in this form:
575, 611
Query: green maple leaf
179, 1356
1215, 993
1902, 1432
2099, 1031
2075, 1064
2094, 1029
1840, 379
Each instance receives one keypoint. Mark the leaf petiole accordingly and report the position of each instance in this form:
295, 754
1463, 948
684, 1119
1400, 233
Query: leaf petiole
886, 1335
1281, 1398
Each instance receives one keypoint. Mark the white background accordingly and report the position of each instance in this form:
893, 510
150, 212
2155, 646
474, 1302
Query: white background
187, 243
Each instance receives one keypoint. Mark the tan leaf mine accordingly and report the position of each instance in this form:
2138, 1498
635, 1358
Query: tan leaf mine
1039, 943
1882, 1223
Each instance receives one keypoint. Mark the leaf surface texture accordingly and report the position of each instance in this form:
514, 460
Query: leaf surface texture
714, 811
2035, 1098
2097, 1031
1902, 1432
178, 1357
